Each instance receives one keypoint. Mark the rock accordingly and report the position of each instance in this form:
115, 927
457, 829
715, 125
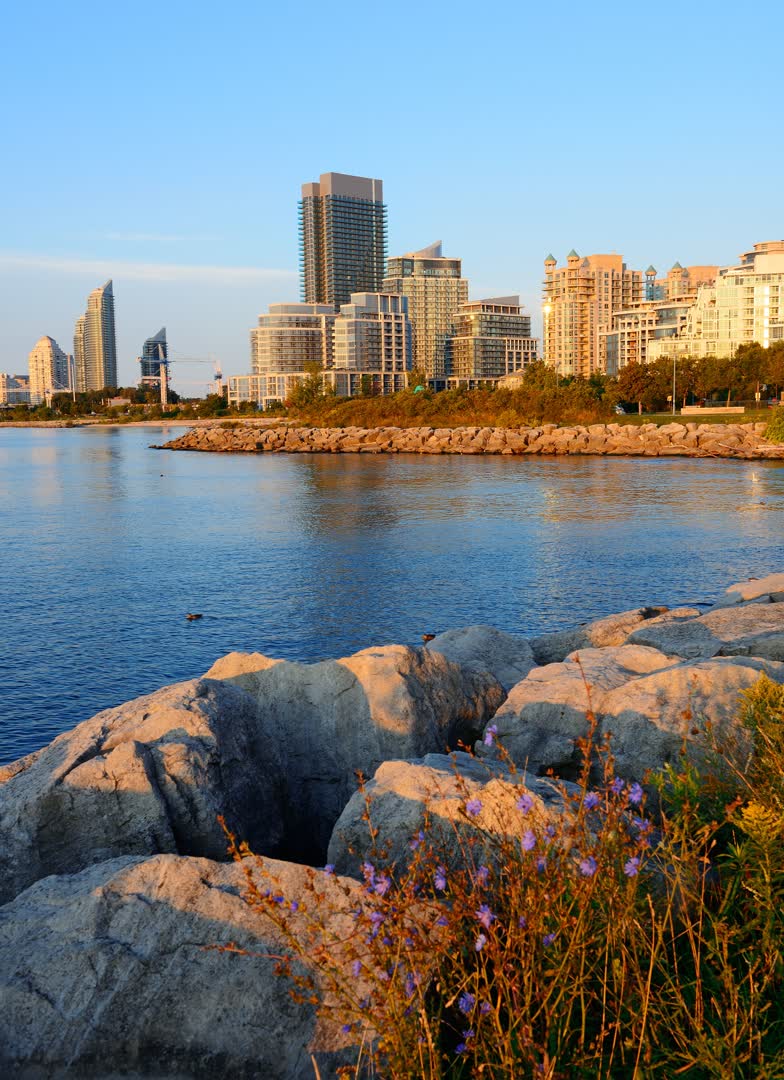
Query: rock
482, 648
241, 669
612, 630
403, 793
332, 720
753, 629
651, 717
756, 590
110, 973
649, 712
545, 713
149, 776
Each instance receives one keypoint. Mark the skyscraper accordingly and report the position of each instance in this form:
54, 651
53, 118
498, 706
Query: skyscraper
342, 238
579, 301
435, 291
95, 349
155, 355
50, 370
372, 345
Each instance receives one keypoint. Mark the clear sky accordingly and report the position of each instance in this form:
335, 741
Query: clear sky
164, 145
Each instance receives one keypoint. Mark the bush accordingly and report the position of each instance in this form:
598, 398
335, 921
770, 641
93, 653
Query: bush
775, 429
615, 943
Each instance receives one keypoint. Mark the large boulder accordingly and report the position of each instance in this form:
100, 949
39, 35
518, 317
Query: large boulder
754, 629
764, 590
405, 795
110, 972
547, 712
649, 703
507, 657
338, 718
149, 776
599, 634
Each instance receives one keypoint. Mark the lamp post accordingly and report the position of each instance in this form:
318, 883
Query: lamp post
673, 384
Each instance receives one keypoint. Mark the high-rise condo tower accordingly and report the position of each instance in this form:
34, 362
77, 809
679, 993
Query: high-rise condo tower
95, 349
343, 238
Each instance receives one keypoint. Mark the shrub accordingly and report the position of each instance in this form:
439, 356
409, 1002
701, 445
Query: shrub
611, 943
775, 429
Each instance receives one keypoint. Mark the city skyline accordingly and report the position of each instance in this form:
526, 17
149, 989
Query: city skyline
205, 244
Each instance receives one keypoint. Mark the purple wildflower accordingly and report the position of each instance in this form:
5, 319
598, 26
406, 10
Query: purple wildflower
294, 905
484, 1008
417, 840
541, 864
490, 733
473, 807
591, 800
386, 940
468, 1034
347, 1028
547, 940
525, 803
632, 867
376, 918
485, 916
528, 841
522, 922
356, 967
382, 884
482, 875
466, 1002
442, 921
439, 878
460, 1048
616, 786
588, 866
369, 872
635, 794
480, 943
329, 868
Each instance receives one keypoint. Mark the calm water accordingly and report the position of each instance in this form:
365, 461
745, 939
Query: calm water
106, 545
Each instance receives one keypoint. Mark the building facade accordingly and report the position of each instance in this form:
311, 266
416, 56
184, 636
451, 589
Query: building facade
490, 340
155, 355
745, 305
14, 389
291, 336
579, 301
435, 291
95, 347
50, 370
373, 345
342, 221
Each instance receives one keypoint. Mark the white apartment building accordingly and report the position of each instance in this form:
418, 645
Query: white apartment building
50, 370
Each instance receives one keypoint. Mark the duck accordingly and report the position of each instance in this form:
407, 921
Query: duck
428, 637
193, 615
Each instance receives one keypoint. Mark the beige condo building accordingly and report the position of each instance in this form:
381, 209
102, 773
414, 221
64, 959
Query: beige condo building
435, 290
95, 347
372, 345
744, 305
50, 370
579, 301
491, 339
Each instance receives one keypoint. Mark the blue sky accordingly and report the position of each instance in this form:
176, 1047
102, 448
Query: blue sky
164, 145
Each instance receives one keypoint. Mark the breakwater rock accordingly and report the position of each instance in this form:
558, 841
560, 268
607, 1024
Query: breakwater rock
615, 440
114, 877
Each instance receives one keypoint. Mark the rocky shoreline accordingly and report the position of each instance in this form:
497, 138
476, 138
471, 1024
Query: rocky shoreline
114, 879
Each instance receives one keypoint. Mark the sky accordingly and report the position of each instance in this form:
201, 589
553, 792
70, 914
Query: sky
163, 145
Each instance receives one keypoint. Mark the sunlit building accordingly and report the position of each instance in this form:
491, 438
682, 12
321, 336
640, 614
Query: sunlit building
435, 290
745, 305
95, 348
14, 389
342, 222
579, 301
372, 345
50, 370
291, 336
490, 340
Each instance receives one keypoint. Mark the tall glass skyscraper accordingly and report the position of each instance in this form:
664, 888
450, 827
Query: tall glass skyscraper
155, 354
343, 238
95, 348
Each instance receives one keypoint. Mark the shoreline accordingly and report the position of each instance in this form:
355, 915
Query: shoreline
693, 440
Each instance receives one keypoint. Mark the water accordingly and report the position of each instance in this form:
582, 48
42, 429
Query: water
106, 545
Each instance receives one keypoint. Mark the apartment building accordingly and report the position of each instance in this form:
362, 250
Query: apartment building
373, 345
50, 370
490, 339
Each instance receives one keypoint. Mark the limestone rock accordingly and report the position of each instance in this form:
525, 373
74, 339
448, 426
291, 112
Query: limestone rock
403, 793
612, 630
339, 717
544, 714
149, 776
507, 657
109, 973
753, 629
241, 669
756, 590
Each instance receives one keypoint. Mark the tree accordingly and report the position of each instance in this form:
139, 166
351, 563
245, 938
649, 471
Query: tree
636, 383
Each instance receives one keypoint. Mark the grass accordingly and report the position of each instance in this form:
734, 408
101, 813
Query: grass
611, 942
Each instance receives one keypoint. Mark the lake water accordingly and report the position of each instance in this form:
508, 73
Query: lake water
106, 544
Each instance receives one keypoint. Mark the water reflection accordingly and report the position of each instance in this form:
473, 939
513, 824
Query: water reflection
310, 556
